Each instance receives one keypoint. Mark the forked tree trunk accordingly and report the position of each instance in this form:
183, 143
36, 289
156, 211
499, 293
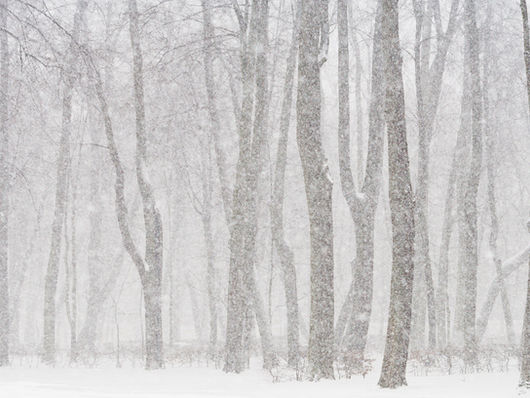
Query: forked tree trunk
150, 274
393, 373
241, 293
352, 337
318, 187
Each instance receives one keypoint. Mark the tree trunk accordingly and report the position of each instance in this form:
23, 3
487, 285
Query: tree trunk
525, 366
152, 281
393, 373
244, 206
428, 88
318, 187
63, 156
524, 380
489, 135
284, 251
4, 187
469, 254
443, 313
154, 354
150, 278
363, 210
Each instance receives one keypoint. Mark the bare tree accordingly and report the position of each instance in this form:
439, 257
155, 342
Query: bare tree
393, 373
63, 156
491, 170
354, 319
318, 185
284, 251
152, 268
4, 186
429, 77
243, 296
468, 254
525, 343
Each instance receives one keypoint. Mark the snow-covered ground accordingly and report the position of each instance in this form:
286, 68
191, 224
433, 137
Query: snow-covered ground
184, 382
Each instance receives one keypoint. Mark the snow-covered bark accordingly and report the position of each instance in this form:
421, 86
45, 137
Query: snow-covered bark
318, 186
393, 373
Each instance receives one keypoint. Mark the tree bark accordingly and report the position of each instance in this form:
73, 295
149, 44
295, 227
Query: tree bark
352, 331
469, 252
284, 251
4, 187
318, 186
428, 88
63, 156
489, 135
525, 366
244, 205
152, 282
393, 373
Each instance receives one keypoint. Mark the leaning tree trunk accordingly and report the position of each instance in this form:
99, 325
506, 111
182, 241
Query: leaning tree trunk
393, 373
489, 135
318, 187
63, 156
284, 251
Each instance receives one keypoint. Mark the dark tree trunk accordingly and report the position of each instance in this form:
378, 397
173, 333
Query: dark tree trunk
393, 373
318, 186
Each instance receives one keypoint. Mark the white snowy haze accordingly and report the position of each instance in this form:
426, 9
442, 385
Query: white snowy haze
242, 197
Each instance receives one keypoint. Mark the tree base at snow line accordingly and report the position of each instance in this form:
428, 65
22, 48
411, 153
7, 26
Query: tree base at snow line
153, 332
392, 379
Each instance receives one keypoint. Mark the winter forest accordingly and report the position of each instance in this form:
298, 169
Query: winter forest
247, 197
